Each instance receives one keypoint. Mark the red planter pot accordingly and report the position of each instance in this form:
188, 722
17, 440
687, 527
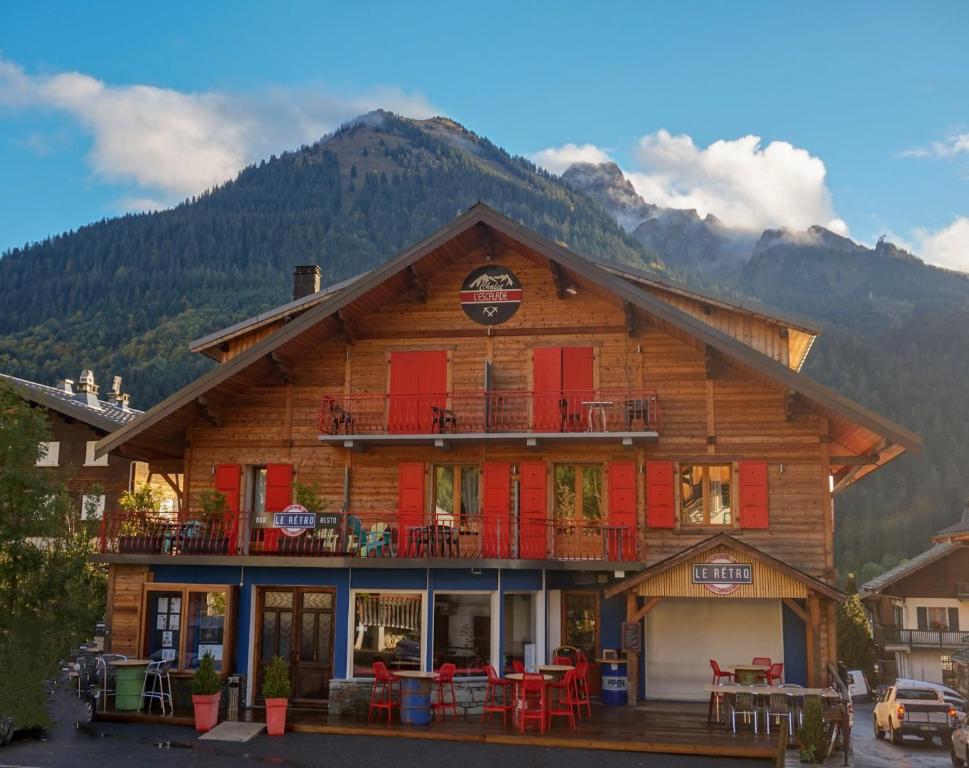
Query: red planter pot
276, 716
206, 711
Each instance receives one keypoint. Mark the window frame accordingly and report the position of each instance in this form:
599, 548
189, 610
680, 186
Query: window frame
495, 616
707, 498
351, 624
99, 513
229, 635
579, 511
563, 639
461, 520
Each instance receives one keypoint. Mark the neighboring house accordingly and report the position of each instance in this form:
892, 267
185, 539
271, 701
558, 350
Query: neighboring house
79, 417
920, 609
515, 448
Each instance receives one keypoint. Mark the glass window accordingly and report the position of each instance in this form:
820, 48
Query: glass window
705, 494
257, 493
457, 494
206, 628
938, 618
519, 630
164, 626
387, 627
578, 492
580, 625
462, 631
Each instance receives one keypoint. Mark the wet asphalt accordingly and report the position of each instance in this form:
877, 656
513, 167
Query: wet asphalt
873, 753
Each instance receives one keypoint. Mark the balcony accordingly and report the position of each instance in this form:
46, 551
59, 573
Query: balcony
373, 537
894, 638
625, 415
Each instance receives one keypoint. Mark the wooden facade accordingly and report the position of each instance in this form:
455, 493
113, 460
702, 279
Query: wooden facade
723, 383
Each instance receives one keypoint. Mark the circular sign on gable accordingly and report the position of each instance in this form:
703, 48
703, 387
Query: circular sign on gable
722, 574
491, 294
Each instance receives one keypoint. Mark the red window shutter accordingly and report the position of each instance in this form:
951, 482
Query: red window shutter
660, 498
532, 530
622, 509
228, 482
279, 487
433, 387
405, 387
547, 389
753, 494
497, 509
410, 499
577, 385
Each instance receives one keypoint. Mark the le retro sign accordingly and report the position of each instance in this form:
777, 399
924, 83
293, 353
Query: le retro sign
722, 574
491, 294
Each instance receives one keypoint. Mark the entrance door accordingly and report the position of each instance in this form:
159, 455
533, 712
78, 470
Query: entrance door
296, 623
580, 629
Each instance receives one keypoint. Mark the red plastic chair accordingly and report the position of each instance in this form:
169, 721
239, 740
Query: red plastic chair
718, 673
491, 702
445, 685
761, 661
581, 687
561, 698
517, 666
776, 672
565, 661
382, 693
533, 701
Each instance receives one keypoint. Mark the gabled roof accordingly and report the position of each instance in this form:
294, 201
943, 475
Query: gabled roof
960, 529
892, 438
106, 416
719, 541
936, 552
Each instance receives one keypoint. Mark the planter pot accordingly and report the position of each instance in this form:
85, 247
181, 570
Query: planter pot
276, 716
206, 711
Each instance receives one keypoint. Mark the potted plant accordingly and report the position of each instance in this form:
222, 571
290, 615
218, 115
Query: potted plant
810, 736
203, 536
276, 690
136, 533
206, 694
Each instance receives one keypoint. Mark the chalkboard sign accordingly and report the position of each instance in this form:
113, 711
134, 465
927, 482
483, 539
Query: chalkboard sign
632, 636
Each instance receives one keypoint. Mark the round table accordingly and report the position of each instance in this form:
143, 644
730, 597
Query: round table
557, 671
129, 681
748, 674
415, 696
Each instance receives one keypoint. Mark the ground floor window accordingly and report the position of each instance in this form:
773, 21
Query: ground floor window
387, 627
183, 622
580, 622
519, 634
462, 631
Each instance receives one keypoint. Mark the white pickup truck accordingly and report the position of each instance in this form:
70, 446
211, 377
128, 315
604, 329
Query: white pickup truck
903, 711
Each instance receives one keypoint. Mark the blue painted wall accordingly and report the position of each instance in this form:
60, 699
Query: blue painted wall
795, 648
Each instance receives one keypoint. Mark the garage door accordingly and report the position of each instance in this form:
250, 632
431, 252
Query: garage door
683, 635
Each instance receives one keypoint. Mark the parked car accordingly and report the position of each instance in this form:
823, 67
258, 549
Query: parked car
903, 711
949, 695
858, 687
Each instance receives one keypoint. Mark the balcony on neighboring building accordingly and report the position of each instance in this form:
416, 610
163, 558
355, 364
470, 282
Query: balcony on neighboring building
628, 416
897, 639
378, 538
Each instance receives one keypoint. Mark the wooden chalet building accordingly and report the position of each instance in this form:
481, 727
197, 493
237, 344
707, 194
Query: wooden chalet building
509, 448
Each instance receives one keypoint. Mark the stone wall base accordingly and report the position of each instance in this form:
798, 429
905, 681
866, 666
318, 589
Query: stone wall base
351, 698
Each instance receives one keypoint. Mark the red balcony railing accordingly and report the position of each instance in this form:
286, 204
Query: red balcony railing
607, 410
379, 535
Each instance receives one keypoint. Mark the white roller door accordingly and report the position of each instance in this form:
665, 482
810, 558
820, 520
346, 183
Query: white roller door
682, 635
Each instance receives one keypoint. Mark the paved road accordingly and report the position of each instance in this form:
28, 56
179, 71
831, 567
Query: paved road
134, 746
872, 753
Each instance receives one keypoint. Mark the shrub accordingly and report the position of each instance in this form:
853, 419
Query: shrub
206, 680
275, 681
810, 735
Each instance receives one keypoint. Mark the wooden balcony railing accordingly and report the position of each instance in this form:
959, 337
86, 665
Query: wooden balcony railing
921, 638
378, 535
607, 410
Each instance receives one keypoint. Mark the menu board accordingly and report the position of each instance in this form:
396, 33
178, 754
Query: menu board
166, 625
632, 636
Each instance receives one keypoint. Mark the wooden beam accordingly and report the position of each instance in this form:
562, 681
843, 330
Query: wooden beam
283, 366
712, 362
558, 277
491, 330
214, 411
796, 609
632, 658
853, 461
641, 613
418, 282
347, 328
813, 632
630, 312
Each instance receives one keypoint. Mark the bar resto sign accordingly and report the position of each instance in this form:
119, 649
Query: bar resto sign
722, 574
294, 520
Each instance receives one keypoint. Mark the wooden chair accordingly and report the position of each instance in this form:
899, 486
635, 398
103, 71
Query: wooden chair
561, 699
491, 702
445, 686
382, 692
532, 702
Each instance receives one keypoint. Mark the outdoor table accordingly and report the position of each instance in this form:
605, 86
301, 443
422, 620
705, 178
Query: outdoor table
594, 407
747, 674
730, 689
557, 671
129, 681
415, 695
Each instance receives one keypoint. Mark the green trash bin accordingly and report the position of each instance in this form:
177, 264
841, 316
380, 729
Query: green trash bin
129, 679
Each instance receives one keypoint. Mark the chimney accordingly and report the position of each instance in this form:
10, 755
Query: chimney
87, 390
306, 280
120, 398
66, 386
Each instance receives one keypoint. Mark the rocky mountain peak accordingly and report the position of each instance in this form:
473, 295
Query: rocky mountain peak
607, 185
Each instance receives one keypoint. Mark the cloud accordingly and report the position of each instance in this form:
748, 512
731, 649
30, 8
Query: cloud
743, 183
172, 144
947, 247
951, 146
558, 159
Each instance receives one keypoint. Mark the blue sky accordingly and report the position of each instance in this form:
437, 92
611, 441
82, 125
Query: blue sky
861, 109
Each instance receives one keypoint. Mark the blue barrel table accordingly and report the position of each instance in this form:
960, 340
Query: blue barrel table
615, 682
415, 696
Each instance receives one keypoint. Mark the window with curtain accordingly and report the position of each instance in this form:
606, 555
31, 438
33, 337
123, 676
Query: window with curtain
457, 495
387, 628
705, 494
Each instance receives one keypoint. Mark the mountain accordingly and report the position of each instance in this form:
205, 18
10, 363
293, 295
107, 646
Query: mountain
896, 338
125, 295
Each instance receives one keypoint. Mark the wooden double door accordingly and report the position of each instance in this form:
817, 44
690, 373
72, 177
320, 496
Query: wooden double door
296, 623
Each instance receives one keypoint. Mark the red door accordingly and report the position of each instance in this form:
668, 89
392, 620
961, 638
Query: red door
547, 389
577, 386
418, 384
532, 528
279, 495
228, 482
410, 503
497, 509
622, 510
